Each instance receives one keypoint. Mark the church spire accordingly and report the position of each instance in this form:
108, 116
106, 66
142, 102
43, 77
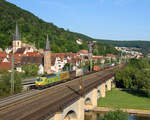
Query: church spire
17, 36
47, 43
47, 57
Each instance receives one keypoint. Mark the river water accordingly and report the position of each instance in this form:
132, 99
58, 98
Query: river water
98, 116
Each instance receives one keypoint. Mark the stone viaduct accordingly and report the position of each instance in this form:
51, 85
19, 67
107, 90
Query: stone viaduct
76, 110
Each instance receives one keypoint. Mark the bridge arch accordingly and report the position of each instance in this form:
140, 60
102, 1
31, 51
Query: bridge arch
98, 93
106, 86
88, 101
71, 115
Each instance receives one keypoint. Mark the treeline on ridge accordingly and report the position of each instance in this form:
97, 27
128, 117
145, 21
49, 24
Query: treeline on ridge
33, 31
143, 45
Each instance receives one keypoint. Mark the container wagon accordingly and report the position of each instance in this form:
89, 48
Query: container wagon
96, 68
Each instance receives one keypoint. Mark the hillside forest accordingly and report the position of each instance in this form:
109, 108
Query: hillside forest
34, 30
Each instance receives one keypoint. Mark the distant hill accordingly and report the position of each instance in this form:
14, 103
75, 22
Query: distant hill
145, 45
33, 31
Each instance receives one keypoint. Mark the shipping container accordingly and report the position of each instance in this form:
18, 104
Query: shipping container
79, 72
64, 75
72, 74
85, 70
96, 68
101, 66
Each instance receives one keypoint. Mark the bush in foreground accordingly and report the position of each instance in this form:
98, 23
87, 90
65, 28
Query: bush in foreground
5, 83
116, 115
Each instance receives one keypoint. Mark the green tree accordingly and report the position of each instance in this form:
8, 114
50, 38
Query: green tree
5, 85
135, 75
116, 115
107, 61
66, 67
30, 70
17, 82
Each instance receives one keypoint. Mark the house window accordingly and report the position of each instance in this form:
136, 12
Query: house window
59, 65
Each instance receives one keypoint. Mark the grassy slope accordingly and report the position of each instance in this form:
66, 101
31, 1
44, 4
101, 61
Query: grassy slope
122, 99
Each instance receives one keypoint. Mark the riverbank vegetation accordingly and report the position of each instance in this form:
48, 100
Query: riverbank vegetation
136, 76
116, 115
124, 99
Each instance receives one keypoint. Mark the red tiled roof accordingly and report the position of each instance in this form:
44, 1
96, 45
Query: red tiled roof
98, 57
63, 55
83, 51
3, 54
33, 54
110, 55
5, 66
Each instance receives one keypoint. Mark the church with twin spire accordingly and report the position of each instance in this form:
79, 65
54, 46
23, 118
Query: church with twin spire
18, 46
47, 61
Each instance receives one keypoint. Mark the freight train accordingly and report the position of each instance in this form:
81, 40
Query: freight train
53, 79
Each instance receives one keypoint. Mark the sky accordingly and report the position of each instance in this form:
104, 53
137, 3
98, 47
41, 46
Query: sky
101, 19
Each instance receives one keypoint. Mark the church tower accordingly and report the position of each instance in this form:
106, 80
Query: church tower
47, 57
16, 39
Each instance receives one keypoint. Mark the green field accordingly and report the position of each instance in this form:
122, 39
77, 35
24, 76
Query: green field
122, 99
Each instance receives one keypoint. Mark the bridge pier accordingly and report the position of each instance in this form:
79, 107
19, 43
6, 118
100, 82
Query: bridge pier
91, 99
73, 112
81, 109
113, 85
94, 97
108, 83
103, 90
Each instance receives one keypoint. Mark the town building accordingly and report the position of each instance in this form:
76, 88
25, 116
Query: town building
48, 62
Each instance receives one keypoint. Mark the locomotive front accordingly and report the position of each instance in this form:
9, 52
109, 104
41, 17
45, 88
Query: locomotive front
39, 82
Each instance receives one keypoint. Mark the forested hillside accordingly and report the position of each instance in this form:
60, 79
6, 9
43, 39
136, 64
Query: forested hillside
145, 45
33, 31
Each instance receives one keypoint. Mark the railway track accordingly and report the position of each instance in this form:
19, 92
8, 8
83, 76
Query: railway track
25, 94
65, 101
47, 101
3, 104
10, 99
